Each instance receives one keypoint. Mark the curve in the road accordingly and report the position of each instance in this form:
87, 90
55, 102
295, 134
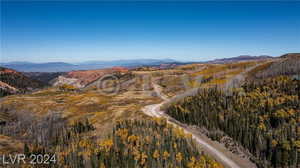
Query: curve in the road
154, 110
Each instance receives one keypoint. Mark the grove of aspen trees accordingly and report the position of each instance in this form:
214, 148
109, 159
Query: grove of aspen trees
133, 143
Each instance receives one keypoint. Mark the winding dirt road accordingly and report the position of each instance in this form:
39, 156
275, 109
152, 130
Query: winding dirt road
227, 158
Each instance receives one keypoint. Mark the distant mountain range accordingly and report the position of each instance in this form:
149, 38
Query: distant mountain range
39, 67
91, 65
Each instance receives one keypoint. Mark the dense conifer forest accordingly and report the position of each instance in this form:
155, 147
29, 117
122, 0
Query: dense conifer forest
263, 116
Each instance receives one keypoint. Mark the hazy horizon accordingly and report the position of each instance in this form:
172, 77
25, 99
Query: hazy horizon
75, 32
114, 60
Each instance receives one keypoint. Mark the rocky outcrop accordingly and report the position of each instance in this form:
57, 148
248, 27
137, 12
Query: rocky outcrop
81, 79
61, 80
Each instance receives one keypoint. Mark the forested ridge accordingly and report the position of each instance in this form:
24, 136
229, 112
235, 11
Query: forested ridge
263, 116
18, 81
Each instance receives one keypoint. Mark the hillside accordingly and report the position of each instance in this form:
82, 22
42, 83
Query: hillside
239, 59
82, 78
287, 64
45, 77
187, 77
15, 82
261, 116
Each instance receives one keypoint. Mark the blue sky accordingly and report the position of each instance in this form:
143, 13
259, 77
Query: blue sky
185, 31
